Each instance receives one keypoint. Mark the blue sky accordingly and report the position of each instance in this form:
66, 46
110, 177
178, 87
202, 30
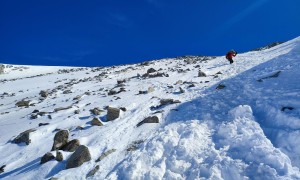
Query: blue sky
112, 32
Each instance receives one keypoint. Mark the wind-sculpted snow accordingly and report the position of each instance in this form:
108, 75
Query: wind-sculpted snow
237, 149
239, 121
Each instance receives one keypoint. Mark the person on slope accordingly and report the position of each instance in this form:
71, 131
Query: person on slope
230, 55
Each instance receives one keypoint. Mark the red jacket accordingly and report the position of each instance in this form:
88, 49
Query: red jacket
230, 55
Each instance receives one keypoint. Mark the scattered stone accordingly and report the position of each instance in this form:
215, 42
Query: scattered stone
77, 98
71, 146
143, 92
77, 111
93, 171
35, 111
80, 156
191, 85
2, 67
47, 157
53, 178
2, 169
123, 109
49, 116
96, 111
219, 72
67, 92
62, 108
105, 154
285, 108
59, 156
34, 116
151, 89
121, 81
44, 93
201, 74
151, 119
96, 122
274, 75
220, 86
181, 90
79, 128
112, 113
87, 93
24, 137
168, 101
23, 103
179, 82
112, 92
60, 139
134, 146
43, 124
164, 102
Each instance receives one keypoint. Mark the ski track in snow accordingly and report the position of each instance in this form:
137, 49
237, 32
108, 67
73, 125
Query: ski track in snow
244, 131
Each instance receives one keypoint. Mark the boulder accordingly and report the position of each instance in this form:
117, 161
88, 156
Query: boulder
71, 146
201, 74
151, 89
112, 113
44, 94
59, 156
24, 137
60, 139
47, 157
220, 86
23, 103
96, 111
96, 122
151, 70
67, 92
2, 67
151, 119
2, 169
80, 156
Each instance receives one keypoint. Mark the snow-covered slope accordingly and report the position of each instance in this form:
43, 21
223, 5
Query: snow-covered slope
241, 121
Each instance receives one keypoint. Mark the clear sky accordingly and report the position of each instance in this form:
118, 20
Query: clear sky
112, 32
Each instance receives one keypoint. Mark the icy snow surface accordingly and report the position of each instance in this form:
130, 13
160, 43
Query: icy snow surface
250, 129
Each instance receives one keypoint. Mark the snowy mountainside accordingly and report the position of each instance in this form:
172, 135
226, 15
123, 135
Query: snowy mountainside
183, 118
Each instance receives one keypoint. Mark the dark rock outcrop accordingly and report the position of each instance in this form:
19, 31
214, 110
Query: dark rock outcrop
80, 156
60, 139
44, 93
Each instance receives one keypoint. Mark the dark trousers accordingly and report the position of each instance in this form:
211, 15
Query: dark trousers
230, 60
